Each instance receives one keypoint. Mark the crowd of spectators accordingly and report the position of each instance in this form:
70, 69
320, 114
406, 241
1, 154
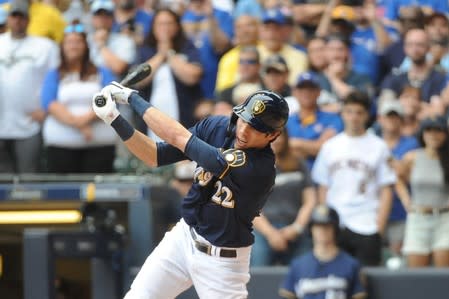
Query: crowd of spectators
366, 82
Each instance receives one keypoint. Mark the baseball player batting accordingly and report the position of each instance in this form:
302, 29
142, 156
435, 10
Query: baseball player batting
210, 246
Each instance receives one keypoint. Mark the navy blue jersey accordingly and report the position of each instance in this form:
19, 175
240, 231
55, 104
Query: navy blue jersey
310, 278
230, 187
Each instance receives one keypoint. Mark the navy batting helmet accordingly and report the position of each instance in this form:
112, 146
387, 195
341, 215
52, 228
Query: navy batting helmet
264, 110
322, 214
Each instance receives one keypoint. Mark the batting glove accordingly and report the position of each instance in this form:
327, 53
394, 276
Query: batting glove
107, 112
119, 93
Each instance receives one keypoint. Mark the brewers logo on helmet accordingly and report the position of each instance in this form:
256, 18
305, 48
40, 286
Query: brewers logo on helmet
265, 111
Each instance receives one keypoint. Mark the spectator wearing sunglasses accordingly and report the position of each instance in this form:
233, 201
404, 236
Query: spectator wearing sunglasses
75, 141
249, 74
24, 60
113, 50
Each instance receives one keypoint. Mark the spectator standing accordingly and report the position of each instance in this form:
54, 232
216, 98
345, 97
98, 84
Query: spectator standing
76, 141
326, 271
310, 127
246, 34
211, 31
280, 229
24, 61
427, 169
390, 120
357, 184
109, 49
173, 85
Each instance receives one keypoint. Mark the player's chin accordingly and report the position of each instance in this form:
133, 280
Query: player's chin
239, 144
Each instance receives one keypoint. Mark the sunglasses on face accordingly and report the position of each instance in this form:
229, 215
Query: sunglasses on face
78, 28
248, 61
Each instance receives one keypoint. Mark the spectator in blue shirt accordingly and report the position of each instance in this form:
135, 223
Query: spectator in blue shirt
310, 127
390, 120
326, 271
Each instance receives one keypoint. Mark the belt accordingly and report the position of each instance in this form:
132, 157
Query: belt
212, 250
430, 211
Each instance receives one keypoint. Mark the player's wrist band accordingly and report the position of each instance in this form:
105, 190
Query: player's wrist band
123, 128
138, 104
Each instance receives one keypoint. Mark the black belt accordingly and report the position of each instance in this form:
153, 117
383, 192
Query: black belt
209, 249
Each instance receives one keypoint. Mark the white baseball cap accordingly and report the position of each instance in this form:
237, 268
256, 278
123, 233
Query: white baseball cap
391, 106
106, 5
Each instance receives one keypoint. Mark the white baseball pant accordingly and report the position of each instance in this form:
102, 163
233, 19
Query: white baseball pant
175, 264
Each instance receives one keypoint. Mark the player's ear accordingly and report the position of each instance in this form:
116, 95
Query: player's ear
274, 135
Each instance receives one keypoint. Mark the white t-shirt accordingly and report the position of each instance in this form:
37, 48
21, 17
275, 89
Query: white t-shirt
354, 169
76, 96
163, 95
23, 65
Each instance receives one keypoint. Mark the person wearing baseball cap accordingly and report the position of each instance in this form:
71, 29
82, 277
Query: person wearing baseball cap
325, 261
275, 75
310, 127
109, 49
389, 128
274, 33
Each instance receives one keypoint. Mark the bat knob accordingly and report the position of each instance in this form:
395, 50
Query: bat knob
100, 101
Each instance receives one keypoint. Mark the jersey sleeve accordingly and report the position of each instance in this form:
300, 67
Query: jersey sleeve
287, 288
356, 283
49, 92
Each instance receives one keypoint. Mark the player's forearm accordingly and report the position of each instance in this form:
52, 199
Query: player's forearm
143, 148
161, 124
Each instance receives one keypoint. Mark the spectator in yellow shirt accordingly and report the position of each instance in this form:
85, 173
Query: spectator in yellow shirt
45, 20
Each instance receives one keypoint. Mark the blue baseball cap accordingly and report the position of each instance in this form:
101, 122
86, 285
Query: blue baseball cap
308, 79
105, 5
274, 16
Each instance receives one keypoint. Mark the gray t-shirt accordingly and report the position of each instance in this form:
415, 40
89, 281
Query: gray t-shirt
286, 198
